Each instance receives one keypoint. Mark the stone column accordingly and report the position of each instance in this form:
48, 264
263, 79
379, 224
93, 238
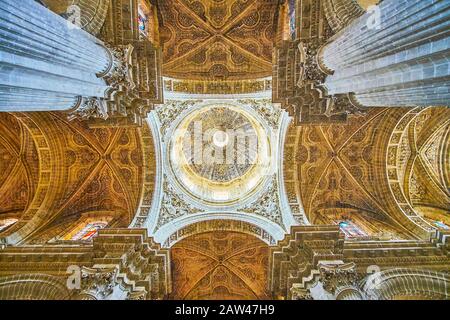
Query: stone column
395, 55
46, 63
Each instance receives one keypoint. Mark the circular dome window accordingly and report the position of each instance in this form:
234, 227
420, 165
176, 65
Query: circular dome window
220, 154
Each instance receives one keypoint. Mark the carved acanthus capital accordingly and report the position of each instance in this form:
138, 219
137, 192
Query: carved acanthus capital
343, 103
300, 294
119, 74
335, 276
309, 64
88, 108
97, 283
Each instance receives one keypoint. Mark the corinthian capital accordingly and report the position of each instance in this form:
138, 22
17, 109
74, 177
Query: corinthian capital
96, 284
119, 73
88, 108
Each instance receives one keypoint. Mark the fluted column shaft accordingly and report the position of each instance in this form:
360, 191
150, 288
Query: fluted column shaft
402, 61
46, 63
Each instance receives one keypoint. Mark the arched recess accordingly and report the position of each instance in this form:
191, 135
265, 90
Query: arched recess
92, 13
416, 166
270, 231
401, 284
33, 287
218, 225
338, 173
220, 265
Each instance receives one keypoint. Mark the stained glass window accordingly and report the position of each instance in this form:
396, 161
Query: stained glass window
292, 22
350, 230
89, 231
6, 223
142, 23
441, 225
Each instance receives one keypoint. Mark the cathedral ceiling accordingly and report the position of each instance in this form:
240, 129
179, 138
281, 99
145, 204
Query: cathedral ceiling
18, 167
348, 172
423, 164
202, 179
73, 171
220, 265
218, 39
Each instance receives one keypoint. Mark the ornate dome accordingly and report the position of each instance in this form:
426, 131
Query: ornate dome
229, 144
219, 153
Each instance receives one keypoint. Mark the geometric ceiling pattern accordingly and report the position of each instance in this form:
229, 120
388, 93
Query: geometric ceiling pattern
220, 265
351, 171
425, 164
217, 40
18, 167
59, 171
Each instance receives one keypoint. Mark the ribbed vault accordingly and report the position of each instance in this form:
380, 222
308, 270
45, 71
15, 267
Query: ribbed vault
342, 171
220, 265
73, 172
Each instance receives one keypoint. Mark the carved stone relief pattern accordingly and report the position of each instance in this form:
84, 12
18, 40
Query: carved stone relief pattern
217, 40
339, 172
220, 265
88, 170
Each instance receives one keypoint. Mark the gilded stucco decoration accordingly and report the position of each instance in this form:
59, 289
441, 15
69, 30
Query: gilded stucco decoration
217, 40
192, 192
67, 171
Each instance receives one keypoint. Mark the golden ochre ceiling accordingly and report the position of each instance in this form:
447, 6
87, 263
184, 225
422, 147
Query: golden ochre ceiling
376, 170
220, 265
217, 39
54, 172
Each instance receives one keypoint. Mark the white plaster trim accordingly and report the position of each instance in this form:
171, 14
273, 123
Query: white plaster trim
273, 229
